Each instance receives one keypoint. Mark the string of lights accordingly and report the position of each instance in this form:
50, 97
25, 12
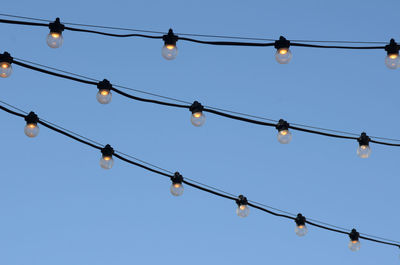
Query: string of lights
283, 53
104, 96
243, 204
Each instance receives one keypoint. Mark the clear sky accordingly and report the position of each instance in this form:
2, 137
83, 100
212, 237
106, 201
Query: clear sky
58, 207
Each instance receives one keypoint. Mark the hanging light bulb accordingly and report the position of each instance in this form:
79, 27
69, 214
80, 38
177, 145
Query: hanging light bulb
55, 38
5, 64
363, 150
283, 54
176, 186
392, 59
169, 50
301, 228
354, 244
104, 94
198, 118
284, 135
242, 209
106, 160
31, 129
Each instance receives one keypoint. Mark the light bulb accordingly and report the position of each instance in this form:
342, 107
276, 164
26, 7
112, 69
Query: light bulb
104, 96
176, 189
5, 69
283, 55
301, 230
242, 211
169, 52
55, 40
198, 119
284, 136
354, 245
364, 151
106, 162
392, 61
31, 130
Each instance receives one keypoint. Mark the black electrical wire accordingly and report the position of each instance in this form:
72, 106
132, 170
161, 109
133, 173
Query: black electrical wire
219, 43
192, 34
207, 189
206, 109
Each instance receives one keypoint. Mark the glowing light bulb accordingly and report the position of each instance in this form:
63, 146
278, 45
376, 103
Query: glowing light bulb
176, 187
283, 54
55, 38
242, 209
5, 65
354, 244
284, 135
301, 228
5, 69
392, 61
31, 130
104, 95
169, 51
198, 118
363, 150
106, 160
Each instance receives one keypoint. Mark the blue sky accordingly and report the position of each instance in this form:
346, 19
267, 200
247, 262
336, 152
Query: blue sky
59, 207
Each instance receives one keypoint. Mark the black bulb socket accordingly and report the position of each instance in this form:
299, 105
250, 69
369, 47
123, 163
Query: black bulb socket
170, 38
107, 151
282, 43
104, 85
354, 235
6, 58
363, 139
282, 125
31, 118
300, 220
196, 107
241, 200
392, 47
177, 178
56, 26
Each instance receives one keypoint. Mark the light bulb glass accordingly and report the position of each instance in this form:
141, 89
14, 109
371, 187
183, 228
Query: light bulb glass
31, 130
354, 245
104, 96
176, 189
5, 69
106, 162
198, 119
169, 51
283, 55
284, 136
243, 211
54, 40
301, 230
364, 151
392, 61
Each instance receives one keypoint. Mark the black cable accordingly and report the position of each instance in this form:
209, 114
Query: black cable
223, 43
208, 190
210, 110
195, 35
